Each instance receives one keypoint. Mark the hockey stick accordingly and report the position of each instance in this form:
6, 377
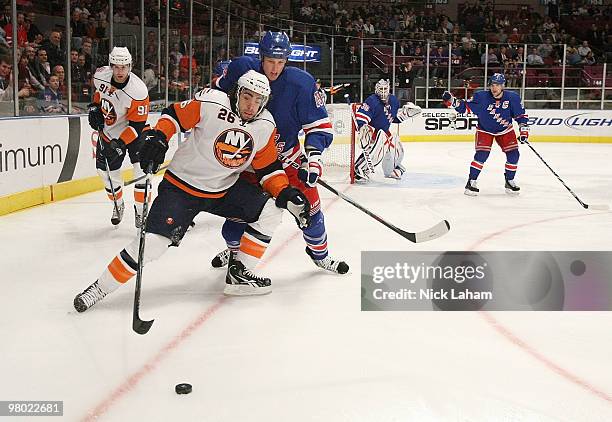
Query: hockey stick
431, 233
138, 325
139, 178
110, 180
586, 206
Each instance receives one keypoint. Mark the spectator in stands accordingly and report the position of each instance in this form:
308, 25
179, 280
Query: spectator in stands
584, 49
515, 37
405, 78
86, 51
594, 36
467, 38
41, 69
30, 54
34, 34
491, 58
573, 58
58, 70
519, 54
49, 101
22, 31
589, 59
534, 59
545, 50
54, 50
503, 55
351, 59
77, 26
7, 15
470, 55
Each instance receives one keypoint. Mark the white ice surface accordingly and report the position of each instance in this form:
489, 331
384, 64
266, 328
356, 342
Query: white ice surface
306, 352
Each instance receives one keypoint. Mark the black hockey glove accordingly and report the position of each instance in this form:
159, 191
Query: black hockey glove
96, 118
113, 150
153, 151
296, 203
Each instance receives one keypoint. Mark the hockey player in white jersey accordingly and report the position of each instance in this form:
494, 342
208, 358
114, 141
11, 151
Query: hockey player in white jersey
373, 120
228, 136
119, 113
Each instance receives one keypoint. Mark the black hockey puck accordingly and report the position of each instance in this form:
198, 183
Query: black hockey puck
183, 388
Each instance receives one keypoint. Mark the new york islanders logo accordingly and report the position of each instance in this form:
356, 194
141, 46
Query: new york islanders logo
233, 147
108, 111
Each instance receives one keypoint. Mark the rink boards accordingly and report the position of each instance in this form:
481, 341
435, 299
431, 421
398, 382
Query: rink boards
44, 159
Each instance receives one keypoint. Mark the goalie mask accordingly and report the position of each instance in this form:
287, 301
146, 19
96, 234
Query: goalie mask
257, 83
383, 89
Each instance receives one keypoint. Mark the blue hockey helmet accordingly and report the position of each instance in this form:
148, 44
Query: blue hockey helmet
275, 45
497, 78
220, 67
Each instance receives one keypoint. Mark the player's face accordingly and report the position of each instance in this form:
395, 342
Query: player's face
120, 72
249, 103
273, 67
497, 90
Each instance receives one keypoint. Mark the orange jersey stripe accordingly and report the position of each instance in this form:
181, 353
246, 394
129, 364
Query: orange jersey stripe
275, 184
251, 248
128, 135
188, 113
118, 270
139, 196
267, 155
191, 191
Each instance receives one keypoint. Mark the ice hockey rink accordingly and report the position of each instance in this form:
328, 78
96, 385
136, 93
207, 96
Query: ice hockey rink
306, 352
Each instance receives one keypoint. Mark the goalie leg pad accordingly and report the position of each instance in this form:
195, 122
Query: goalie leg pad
392, 162
376, 149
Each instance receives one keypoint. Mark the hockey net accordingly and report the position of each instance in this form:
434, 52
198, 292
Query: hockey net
339, 158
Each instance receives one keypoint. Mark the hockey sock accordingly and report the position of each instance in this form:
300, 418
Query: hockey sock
125, 265
139, 189
512, 158
253, 245
232, 231
117, 183
316, 236
257, 235
476, 167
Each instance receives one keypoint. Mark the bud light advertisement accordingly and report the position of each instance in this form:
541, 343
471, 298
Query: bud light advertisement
299, 52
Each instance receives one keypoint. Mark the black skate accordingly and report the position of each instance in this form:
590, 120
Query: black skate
221, 259
90, 296
471, 188
240, 281
329, 264
118, 213
512, 188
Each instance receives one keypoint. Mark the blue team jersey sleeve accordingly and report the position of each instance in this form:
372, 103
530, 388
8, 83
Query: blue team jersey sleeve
475, 105
395, 106
518, 111
234, 71
312, 115
365, 113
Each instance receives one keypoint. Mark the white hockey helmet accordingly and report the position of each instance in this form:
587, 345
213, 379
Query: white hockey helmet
257, 83
120, 56
383, 89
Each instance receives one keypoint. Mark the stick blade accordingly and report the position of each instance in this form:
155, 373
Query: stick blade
432, 233
140, 326
599, 207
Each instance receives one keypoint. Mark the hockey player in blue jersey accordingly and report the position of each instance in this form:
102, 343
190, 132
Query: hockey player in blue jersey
495, 109
373, 119
295, 105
